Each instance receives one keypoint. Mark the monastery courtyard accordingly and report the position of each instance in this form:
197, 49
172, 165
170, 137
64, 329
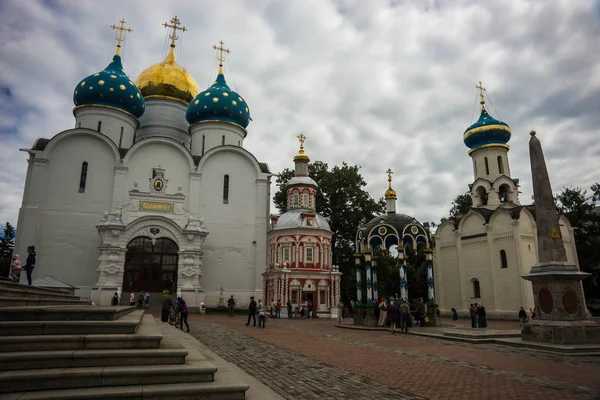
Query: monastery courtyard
312, 359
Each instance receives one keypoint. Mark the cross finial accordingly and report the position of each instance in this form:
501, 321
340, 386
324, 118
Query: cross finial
481, 94
122, 32
389, 173
221, 49
175, 25
301, 138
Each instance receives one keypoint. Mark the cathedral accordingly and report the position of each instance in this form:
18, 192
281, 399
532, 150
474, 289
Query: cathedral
480, 256
299, 253
151, 189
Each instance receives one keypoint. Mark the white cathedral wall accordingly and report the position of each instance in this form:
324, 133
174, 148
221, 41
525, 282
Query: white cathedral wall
235, 249
66, 239
112, 121
208, 135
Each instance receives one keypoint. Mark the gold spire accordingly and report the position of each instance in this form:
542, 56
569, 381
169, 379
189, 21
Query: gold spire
481, 94
121, 35
301, 154
220, 57
175, 25
390, 193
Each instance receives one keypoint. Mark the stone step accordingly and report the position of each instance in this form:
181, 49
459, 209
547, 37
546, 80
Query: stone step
216, 390
147, 336
73, 312
28, 289
32, 302
69, 378
127, 324
12, 361
17, 292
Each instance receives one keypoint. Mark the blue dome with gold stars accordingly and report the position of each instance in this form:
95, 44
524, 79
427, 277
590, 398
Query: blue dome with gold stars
111, 88
219, 103
486, 131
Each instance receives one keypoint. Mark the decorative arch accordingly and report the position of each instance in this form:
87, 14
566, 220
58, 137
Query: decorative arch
470, 214
141, 227
163, 140
391, 240
81, 132
232, 149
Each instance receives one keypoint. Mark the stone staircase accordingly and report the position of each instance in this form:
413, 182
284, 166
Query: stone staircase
62, 348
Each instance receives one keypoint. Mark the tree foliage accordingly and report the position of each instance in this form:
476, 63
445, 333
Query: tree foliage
460, 205
344, 201
7, 244
583, 214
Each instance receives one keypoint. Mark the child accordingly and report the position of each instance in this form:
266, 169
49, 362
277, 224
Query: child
15, 269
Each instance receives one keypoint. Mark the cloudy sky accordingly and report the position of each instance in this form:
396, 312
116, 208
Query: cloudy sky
381, 84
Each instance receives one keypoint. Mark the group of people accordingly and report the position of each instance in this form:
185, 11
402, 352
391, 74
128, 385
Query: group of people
179, 308
16, 267
389, 312
478, 316
523, 315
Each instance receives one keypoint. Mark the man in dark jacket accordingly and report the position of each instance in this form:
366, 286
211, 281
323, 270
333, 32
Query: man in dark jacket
167, 306
252, 311
30, 265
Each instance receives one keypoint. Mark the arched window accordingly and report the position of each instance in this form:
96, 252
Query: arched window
99, 125
223, 140
487, 167
83, 177
226, 189
482, 196
305, 200
503, 193
296, 200
503, 260
476, 290
500, 165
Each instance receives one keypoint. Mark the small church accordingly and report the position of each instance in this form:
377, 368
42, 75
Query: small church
151, 189
481, 255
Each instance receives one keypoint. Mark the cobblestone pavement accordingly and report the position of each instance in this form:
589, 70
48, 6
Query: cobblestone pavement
313, 359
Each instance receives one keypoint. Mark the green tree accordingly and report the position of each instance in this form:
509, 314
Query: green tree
460, 205
7, 244
581, 211
344, 201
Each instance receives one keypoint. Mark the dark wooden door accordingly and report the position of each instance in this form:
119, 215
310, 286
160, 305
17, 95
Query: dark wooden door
150, 267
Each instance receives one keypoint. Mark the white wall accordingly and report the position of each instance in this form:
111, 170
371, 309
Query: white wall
164, 118
214, 134
112, 123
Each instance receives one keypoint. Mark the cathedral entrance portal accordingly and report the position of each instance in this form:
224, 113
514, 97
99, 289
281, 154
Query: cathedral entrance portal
151, 266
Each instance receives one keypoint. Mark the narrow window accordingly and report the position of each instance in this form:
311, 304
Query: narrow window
286, 254
203, 143
322, 297
475, 166
309, 254
487, 167
79, 125
121, 138
294, 296
99, 125
238, 143
223, 140
296, 199
83, 177
305, 200
500, 165
503, 259
476, 290
226, 189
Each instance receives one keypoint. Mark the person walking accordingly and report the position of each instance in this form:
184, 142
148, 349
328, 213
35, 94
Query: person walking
167, 306
262, 318
289, 308
132, 299
140, 300
473, 315
30, 263
115, 299
231, 305
310, 309
404, 310
147, 299
15, 269
340, 308
251, 311
382, 312
454, 314
278, 309
522, 317
392, 315
482, 319
182, 310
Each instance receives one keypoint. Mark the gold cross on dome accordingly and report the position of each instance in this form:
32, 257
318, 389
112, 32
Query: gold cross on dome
121, 34
221, 49
175, 25
389, 173
481, 93
301, 138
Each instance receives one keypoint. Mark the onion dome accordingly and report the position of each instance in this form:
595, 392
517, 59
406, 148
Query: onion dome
390, 193
219, 103
110, 88
167, 79
487, 130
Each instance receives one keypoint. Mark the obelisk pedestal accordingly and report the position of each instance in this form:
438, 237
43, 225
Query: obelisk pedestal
557, 289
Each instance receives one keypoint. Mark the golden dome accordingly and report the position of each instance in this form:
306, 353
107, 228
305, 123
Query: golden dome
390, 194
167, 79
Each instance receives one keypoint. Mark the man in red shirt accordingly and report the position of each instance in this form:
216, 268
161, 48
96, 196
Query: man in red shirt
278, 308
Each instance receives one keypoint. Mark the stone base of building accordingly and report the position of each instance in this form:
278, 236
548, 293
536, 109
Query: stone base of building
434, 320
561, 332
194, 298
102, 296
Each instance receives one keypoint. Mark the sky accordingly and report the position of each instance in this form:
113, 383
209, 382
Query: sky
379, 84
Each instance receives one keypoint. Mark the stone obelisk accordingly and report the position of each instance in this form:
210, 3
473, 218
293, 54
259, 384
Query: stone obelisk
557, 288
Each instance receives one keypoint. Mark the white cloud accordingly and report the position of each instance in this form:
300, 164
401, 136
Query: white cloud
369, 83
